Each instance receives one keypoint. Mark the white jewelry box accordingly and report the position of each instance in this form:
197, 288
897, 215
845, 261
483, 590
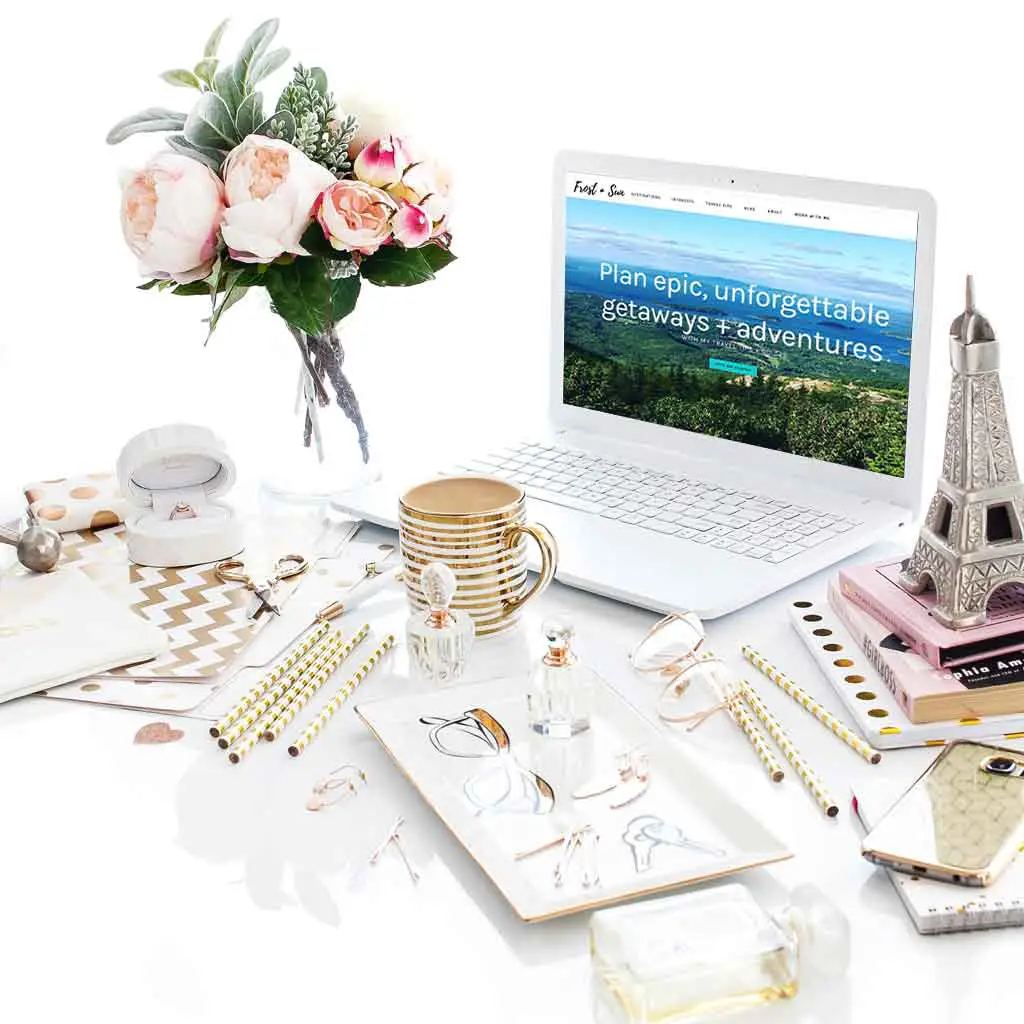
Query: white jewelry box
172, 476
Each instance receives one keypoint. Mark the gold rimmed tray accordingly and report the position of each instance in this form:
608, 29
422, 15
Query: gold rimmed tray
682, 793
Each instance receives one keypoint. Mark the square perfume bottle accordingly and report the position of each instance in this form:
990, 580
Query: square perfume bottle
689, 956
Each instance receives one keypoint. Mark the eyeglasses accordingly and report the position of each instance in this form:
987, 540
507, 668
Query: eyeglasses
343, 783
697, 682
506, 785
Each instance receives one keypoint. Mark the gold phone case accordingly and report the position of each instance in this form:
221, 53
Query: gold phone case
959, 822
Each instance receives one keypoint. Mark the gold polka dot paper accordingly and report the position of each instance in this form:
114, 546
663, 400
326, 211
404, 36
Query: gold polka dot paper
91, 502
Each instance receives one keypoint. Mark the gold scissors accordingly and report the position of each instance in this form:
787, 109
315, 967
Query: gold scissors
285, 568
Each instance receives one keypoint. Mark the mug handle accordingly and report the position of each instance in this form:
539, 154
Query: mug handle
548, 562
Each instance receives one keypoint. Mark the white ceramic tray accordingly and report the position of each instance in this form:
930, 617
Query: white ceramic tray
681, 792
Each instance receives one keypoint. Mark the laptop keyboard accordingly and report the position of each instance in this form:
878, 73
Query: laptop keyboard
739, 521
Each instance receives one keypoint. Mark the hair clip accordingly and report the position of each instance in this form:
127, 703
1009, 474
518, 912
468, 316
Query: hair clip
631, 780
581, 841
341, 784
393, 838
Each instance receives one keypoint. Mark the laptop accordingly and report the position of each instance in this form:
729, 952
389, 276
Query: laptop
739, 368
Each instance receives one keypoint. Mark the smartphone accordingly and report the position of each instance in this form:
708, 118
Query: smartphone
962, 821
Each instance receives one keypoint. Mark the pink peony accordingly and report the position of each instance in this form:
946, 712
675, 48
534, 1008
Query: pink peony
356, 217
170, 213
429, 185
383, 161
271, 188
411, 226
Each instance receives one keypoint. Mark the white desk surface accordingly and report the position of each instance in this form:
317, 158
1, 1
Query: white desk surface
159, 883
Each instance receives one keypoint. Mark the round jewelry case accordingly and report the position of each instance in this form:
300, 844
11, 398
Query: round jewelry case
172, 476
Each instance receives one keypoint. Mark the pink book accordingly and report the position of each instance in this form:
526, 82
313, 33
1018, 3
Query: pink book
876, 589
989, 685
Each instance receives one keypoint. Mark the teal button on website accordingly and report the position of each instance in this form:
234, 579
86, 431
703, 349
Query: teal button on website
730, 367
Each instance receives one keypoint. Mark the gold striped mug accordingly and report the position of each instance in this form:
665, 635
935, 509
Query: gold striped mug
477, 526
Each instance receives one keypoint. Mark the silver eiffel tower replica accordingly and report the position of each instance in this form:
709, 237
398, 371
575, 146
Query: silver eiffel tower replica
971, 542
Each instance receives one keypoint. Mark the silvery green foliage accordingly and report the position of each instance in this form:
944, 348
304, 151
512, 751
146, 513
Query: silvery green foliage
228, 109
319, 133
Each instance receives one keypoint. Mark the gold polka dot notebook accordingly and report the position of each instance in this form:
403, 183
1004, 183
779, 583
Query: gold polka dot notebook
70, 504
851, 671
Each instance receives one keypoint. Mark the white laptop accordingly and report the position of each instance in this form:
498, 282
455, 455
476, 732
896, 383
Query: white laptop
739, 368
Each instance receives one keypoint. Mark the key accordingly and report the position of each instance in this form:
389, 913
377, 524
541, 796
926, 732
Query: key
787, 551
660, 527
582, 504
671, 835
641, 844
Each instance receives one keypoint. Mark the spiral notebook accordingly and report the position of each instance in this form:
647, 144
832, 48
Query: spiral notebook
937, 907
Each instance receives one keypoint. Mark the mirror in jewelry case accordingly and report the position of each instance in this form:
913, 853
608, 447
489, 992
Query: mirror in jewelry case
172, 477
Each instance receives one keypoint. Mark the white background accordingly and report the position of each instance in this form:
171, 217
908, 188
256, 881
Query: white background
906, 94
895, 93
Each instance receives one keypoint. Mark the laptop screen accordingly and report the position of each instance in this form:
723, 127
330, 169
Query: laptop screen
775, 321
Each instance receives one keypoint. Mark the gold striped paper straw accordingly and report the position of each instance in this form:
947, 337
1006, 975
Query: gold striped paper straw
303, 646
739, 715
317, 677
807, 775
811, 706
280, 688
245, 745
313, 727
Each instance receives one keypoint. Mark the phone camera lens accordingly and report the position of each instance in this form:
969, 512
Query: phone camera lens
1000, 766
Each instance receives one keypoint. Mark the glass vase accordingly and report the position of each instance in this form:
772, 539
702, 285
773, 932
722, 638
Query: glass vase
331, 453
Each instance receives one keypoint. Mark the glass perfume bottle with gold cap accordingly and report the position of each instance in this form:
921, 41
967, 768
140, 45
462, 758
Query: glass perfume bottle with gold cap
440, 641
560, 698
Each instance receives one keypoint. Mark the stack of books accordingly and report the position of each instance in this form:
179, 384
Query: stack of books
906, 679
935, 673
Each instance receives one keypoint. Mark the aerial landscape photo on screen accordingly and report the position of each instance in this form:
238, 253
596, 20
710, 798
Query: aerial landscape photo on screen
788, 337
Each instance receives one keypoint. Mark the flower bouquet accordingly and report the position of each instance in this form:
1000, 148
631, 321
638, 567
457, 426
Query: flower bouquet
291, 199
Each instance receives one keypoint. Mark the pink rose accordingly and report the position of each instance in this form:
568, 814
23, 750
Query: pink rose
429, 185
355, 216
170, 213
270, 187
411, 226
383, 161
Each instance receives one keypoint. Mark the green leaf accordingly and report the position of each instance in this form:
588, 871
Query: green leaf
152, 283
152, 119
344, 295
210, 124
233, 291
280, 125
213, 158
394, 267
319, 79
250, 115
206, 69
183, 78
314, 241
268, 64
193, 288
210, 49
225, 87
252, 49
438, 256
300, 293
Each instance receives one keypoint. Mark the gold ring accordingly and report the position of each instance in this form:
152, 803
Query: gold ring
183, 510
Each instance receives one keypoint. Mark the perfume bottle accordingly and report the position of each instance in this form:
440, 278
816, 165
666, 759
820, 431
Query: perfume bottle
693, 955
440, 641
560, 698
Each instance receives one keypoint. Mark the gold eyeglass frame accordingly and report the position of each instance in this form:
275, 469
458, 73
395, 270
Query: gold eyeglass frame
678, 670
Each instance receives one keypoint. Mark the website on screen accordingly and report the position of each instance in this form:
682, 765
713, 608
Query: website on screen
779, 322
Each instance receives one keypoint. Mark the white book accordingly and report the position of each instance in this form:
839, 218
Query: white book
935, 906
61, 626
875, 711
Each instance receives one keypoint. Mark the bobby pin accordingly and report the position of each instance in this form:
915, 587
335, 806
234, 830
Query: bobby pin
394, 838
